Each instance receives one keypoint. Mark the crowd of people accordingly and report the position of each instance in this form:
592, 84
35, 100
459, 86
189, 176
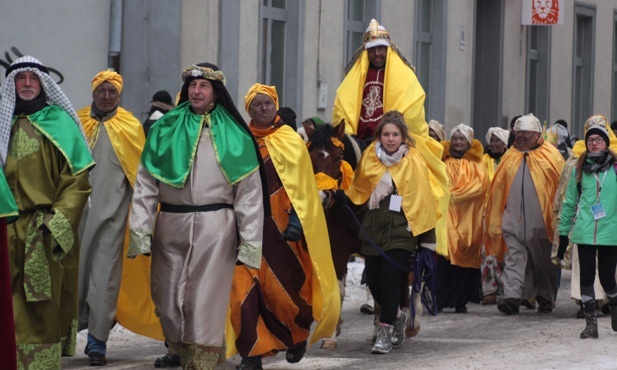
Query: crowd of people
227, 226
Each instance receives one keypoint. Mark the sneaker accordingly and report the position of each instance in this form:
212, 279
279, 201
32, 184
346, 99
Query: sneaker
383, 344
96, 359
398, 332
167, 361
250, 363
509, 306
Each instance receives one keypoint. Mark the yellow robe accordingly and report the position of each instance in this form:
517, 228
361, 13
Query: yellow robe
489, 164
411, 178
402, 92
135, 309
293, 165
545, 165
468, 185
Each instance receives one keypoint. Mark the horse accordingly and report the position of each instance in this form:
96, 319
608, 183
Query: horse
329, 147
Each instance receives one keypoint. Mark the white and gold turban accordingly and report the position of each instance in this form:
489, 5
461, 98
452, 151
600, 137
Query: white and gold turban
463, 129
376, 35
438, 129
500, 133
528, 122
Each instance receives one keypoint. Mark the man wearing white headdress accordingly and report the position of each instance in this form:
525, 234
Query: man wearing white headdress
459, 273
45, 159
519, 217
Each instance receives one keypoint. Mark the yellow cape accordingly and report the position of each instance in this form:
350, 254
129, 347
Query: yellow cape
126, 135
545, 165
468, 185
411, 178
402, 92
489, 164
293, 165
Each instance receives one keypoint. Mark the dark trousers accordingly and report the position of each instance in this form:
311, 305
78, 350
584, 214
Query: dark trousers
607, 263
385, 282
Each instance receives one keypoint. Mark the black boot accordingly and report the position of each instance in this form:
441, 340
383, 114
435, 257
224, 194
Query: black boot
591, 328
614, 317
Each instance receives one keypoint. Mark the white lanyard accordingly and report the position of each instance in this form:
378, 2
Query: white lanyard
599, 183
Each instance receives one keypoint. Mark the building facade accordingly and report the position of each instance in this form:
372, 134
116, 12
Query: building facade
476, 60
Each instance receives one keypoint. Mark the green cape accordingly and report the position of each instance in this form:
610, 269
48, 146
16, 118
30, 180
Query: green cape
172, 143
57, 126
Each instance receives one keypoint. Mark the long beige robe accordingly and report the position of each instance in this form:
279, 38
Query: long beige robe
194, 254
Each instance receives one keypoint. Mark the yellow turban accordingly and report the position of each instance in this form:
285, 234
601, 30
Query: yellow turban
109, 76
260, 89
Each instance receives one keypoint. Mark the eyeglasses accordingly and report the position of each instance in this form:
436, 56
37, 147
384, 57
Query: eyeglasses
598, 140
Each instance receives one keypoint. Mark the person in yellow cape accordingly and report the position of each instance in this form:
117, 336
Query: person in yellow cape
116, 139
519, 217
380, 79
459, 274
393, 179
497, 140
272, 308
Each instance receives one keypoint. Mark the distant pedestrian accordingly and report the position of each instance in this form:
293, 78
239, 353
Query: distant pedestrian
161, 103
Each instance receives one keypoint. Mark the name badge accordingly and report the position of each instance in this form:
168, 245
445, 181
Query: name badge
598, 211
395, 203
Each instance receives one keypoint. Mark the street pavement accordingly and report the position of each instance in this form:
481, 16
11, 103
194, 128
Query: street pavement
483, 338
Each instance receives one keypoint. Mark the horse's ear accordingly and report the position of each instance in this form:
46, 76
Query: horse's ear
339, 131
309, 128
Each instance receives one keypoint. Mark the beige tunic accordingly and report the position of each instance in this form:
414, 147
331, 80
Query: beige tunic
102, 240
193, 254
528, 270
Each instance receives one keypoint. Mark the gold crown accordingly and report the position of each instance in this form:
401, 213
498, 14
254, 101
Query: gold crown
374, 33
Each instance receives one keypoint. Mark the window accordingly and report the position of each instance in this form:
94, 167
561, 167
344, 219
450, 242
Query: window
583, 59
273, 46
358, 14
428, 55
538, 72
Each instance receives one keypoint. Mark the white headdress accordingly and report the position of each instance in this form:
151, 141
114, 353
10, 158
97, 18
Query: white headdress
53, 93
500, 133
528, 122
463, 129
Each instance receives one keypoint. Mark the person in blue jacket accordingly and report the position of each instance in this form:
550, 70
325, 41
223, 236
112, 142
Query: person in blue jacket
589, 216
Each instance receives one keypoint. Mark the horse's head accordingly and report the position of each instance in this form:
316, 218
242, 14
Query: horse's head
325, 148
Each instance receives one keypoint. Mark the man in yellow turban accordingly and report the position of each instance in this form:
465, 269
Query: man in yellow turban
273, 307
519, 217
380, 79
116, 139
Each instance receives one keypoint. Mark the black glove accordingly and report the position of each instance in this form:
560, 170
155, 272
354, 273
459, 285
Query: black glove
563, 245
293, 232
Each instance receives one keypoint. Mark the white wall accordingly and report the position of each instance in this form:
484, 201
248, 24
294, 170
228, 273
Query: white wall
69, 36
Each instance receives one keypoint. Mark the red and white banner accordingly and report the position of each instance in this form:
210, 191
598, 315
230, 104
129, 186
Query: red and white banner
542, 12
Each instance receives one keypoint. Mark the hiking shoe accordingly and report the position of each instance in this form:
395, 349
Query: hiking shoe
383, 344
591, 326
398, 332
509, 306
96, 359
167, 361
544, 305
